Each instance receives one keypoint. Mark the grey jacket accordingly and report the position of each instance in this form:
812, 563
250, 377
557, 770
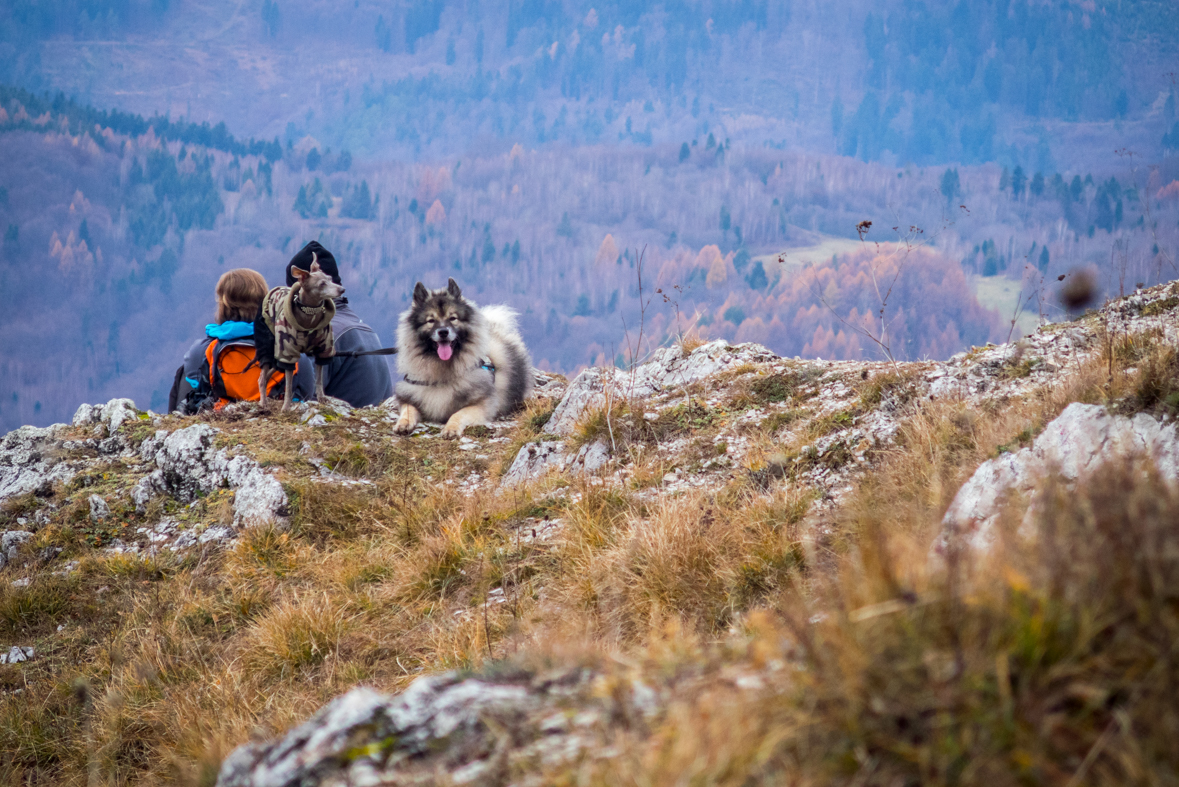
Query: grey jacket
358, 381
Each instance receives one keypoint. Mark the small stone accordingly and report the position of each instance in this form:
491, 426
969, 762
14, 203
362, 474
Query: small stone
16, 655
141, 494
10, 544
99, 510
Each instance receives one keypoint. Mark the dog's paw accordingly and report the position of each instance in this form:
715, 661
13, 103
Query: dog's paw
451, 431
404, 426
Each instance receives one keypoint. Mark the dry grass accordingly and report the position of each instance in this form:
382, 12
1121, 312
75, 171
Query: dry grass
908, 678
297, 632
1049, 662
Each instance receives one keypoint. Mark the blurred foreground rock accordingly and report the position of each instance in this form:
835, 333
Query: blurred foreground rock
442, 729
1072, 447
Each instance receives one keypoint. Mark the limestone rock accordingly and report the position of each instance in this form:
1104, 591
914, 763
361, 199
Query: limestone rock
183, 460
16, 655
10, 545
112, 415
590, 458
188, 463
1074, 445
117, 412
669, 368
536, 459
141, 494
99, 510
587, 391
441, 723
28, 463
87, 414
258, 496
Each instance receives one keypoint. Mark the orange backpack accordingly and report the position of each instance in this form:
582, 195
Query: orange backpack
230, 374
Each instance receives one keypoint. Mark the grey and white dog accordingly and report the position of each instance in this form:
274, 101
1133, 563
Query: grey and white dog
463, 365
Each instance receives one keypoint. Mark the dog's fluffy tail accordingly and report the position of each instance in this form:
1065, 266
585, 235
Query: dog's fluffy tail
513, 380
501, 321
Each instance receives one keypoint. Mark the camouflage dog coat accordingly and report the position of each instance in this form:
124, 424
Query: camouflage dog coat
290, 338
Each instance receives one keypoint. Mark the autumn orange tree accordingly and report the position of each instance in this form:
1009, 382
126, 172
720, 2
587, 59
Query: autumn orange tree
831, 310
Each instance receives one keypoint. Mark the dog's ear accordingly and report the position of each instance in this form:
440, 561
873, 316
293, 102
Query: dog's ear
453, 288
314, 268
420, 293
299, 273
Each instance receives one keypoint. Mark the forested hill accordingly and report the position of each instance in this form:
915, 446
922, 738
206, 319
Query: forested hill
74, 118
555, 155
113, 242
926, 83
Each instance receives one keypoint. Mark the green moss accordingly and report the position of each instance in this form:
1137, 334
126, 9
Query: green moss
537, 420
784, 386
840, 419
775, 421
1159, 307
688, 417
1017, 368
1024, 438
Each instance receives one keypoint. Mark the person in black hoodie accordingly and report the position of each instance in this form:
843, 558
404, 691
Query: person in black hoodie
359, 381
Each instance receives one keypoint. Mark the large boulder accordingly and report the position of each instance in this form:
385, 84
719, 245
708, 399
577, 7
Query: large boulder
1075, 445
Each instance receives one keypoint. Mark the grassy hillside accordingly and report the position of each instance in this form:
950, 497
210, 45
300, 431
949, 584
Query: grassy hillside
741, 507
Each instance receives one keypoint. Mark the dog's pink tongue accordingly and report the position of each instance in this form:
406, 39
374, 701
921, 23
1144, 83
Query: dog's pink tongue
445, 351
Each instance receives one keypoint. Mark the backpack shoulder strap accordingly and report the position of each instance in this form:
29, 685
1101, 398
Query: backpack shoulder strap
174, 393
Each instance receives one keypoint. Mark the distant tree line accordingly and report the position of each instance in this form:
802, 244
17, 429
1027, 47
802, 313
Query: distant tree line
82, 119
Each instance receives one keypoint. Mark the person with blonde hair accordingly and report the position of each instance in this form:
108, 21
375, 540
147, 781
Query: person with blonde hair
239, 294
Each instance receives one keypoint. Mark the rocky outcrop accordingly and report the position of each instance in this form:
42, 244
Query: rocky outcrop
1073, 446
183, 464
465, 730
189, 464
670, 368
111, 415
16, 654
30, 463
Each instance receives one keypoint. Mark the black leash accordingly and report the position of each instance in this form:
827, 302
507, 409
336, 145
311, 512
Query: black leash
358, 353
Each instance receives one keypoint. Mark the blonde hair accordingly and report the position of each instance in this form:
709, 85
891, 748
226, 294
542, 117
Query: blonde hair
240, 293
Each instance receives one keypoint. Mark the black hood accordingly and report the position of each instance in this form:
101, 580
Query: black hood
302, 260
